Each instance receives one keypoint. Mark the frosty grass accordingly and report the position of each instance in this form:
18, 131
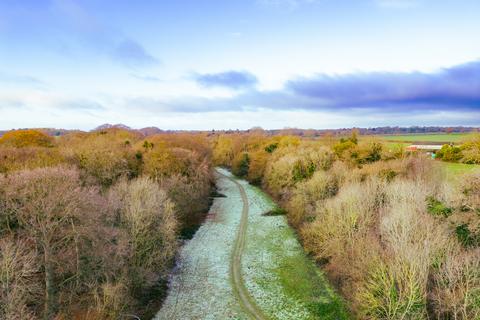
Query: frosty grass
200, 287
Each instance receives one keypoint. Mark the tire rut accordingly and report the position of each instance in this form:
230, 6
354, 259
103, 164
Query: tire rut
238, 284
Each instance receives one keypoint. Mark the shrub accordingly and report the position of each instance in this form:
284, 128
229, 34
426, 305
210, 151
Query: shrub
342, 147
271, 147
279, 175
148, 216
393, 151
111, 301
257, 165
288, 141
387, 174
196, 143
163, 162
449, 153
223, 152
392, 292
186, 177
321, 186
241, 164
103, 157
368, 152
51, 209
292, 165
302, 170
471, 155
13, 159
470, 188
19, 283
25, 138
437, 208
466, 237
340, 220
471, 150
406, 226
359, 153
456, 294
93, 258
425, 171
147, 219
277, 211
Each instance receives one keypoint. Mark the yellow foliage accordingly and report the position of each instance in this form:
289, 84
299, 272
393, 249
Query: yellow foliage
25, 138
258, 163
103, 156
12, 159
223, 153
162, 162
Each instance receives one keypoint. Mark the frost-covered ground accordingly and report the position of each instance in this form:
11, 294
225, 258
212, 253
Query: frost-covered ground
283, 282
200, 287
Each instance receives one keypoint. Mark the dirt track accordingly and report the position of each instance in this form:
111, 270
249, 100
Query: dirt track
208, 282
248, 305
242, 264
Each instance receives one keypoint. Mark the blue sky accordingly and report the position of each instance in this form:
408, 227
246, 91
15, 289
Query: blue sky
203, 64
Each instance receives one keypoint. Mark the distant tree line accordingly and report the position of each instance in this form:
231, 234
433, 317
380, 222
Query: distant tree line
148, 131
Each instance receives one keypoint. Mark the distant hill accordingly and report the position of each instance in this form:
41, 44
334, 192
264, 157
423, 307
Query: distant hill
112, 126
150, 131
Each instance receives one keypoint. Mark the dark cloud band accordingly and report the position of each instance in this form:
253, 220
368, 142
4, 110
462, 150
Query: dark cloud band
455, 87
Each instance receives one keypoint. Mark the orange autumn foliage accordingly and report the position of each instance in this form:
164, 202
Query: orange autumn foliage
26, 138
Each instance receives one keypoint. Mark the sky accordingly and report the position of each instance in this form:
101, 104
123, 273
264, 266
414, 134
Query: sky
236, 64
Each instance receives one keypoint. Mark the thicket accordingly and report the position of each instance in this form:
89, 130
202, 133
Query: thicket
90, 222
397, 238
468, 152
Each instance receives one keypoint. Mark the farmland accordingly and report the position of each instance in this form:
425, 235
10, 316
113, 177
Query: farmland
432, 138
455, 171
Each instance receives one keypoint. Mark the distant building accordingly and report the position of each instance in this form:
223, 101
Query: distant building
423, 147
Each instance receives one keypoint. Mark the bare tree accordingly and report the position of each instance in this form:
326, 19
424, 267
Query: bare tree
47, 203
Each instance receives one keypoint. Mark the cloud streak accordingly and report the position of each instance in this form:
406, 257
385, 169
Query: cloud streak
8, 78
146, 78
451, 89
100, 37
79, 105
455, 87
228, 79
448, 96
131, 54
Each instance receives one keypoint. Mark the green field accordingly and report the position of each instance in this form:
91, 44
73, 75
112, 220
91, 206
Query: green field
456, 171
460, 168
434, 137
